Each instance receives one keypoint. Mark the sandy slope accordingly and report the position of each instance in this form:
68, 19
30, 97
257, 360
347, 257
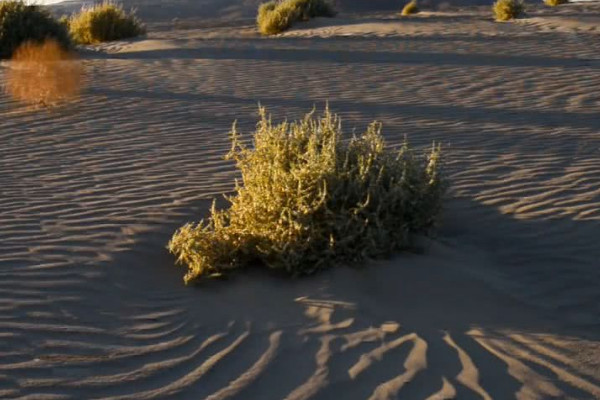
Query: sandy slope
504, 304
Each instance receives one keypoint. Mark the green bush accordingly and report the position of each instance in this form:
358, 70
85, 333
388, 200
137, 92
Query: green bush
410, 8
277, 16
308, 200
103, 23
554, 3
21, 23
505, 10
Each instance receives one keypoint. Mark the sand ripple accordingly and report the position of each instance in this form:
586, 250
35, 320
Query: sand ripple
504, 303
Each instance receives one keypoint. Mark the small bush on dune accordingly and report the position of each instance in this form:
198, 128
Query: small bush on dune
272, 20
279, 15
20, 23
314, 8
43, 74
505, 10
102, 23
266, 8
410, 8
309, 200
64, 21
554, 3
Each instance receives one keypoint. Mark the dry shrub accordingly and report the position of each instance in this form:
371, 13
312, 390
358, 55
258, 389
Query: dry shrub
278, 15
505, 10
410, 8
554, 3
43, 74
104, 22
308, 200
20, 23
272, 20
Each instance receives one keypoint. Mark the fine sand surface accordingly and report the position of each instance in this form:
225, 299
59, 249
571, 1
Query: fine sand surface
503, 304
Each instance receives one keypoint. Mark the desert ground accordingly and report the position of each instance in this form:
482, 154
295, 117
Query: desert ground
503, 303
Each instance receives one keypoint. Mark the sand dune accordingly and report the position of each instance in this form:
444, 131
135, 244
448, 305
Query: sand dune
503, 304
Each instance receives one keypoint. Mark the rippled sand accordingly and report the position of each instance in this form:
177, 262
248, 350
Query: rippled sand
503, 304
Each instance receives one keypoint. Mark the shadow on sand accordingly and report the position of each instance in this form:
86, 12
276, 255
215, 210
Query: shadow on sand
301, 56
550, 119
458, 288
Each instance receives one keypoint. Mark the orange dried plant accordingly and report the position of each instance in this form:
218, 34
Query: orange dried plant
44, 74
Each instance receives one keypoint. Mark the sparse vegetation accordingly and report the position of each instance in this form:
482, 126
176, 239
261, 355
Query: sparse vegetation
20, 23
505, 10
410, 8
554, 3
308, 200
102, 23
43, 74
278, 15
270, 20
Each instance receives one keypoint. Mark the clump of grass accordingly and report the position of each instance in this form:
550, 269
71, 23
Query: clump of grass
43, 74
103, 23
272, 20
265, 8
505, 10
278, 15
410, 8
555, 3
308, 200
20, 23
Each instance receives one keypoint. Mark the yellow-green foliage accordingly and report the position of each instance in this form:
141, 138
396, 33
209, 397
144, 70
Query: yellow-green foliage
505, 10
21, 23
554, 3
410, 8
309, 200
272, 20
278, 15
102, 23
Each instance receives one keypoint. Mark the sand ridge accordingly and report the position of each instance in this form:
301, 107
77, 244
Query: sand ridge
504, 303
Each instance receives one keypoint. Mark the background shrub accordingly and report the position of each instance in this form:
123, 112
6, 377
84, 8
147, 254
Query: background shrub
314, 8
554, 3
278, 15
20, 23
102, 23
505, 10
272, 19
410, 8
309, 200
43, 74
266, 8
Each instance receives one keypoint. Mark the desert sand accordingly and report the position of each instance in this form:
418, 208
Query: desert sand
503, 303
